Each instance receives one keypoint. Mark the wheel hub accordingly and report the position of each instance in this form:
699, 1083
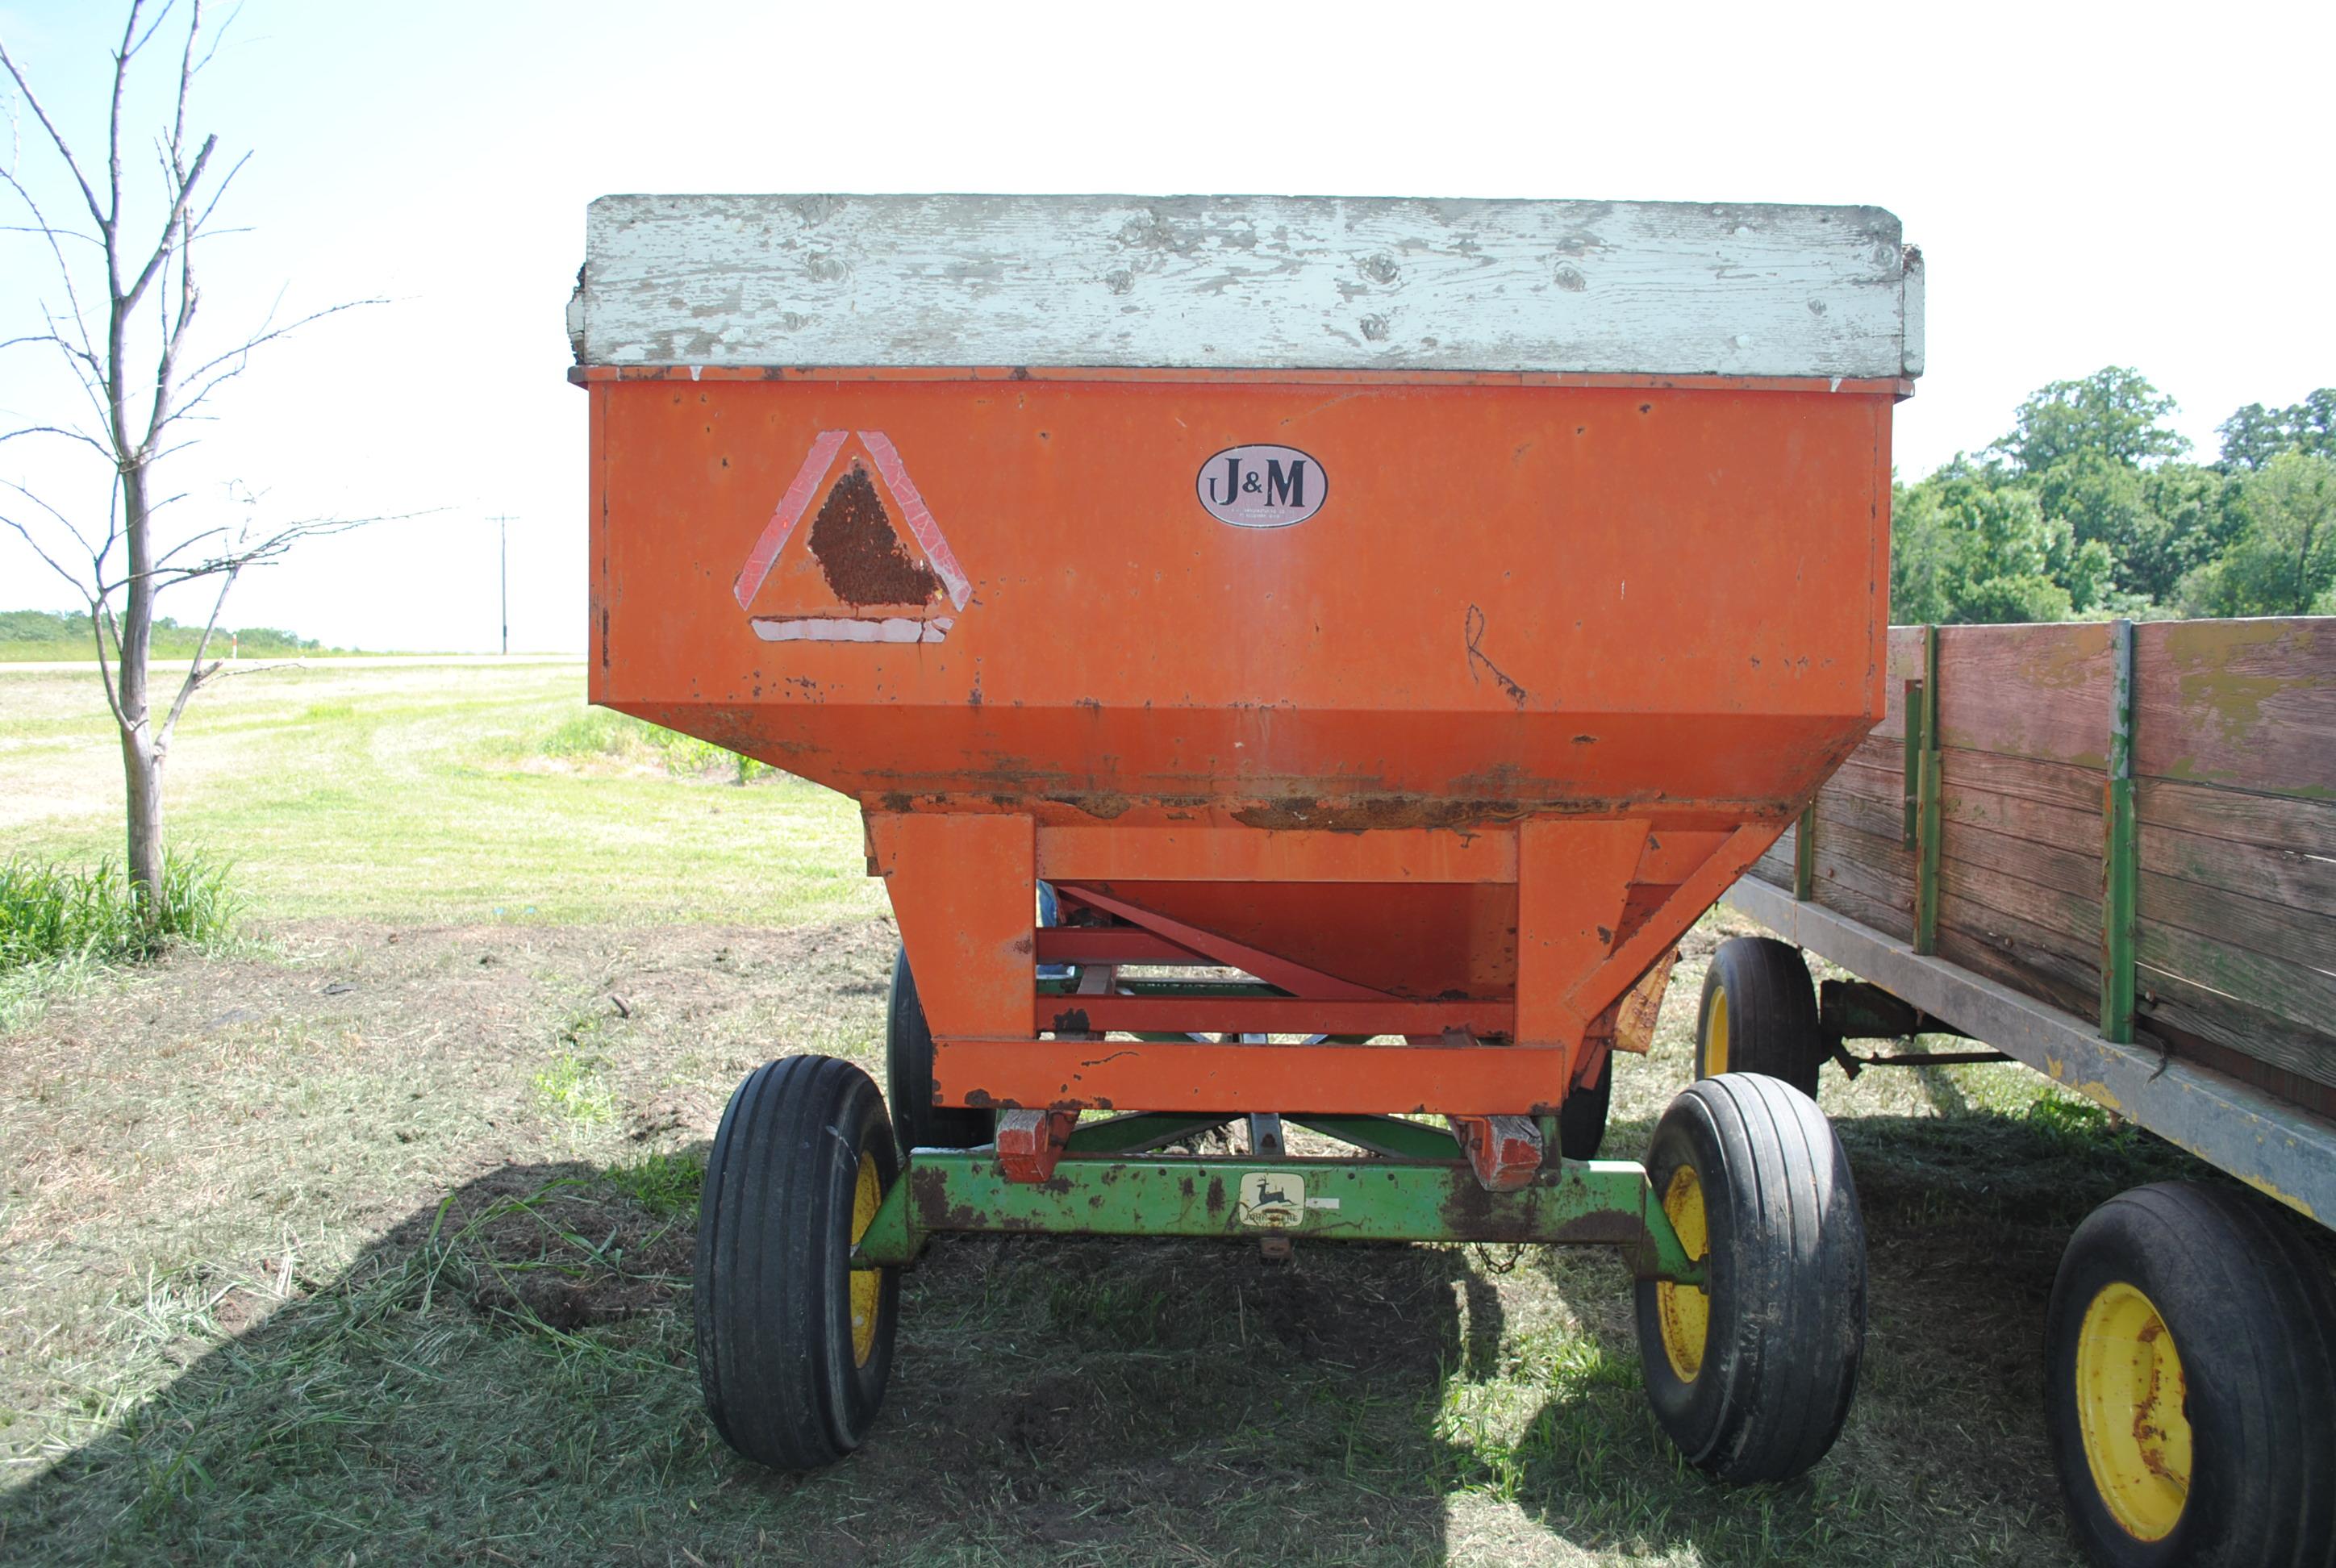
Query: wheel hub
867, 1284
2132, 1408
1685, 1310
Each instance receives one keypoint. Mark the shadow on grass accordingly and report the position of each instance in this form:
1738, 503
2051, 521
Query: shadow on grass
1943, 1459
506, 1377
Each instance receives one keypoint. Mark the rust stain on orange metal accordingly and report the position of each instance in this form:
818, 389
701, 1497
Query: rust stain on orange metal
1466, 744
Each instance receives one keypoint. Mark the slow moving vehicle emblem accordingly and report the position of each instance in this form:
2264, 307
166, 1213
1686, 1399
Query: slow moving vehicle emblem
1262, 486
859, 579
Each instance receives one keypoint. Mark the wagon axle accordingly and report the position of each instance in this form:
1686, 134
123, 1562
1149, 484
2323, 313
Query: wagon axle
1742, 1231
1364, 1198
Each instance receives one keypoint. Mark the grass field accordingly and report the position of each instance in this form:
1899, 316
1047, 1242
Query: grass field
366, 1239
439, 793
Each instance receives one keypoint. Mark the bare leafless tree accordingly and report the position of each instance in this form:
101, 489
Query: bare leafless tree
127, 300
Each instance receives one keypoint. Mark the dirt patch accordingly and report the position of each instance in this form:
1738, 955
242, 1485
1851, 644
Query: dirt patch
567, 1252
683, 1109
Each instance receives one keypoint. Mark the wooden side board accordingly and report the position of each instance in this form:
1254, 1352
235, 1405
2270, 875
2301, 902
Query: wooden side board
2235, 722
2249, 704
2026, 691
2295, 824
2285, 851
1669, 289
2272, 1131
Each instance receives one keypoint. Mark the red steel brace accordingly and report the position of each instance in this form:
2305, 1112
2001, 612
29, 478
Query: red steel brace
1029, 1143
1506, 1151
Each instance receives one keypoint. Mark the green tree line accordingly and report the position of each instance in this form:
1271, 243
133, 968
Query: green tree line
2090, 508
30, 634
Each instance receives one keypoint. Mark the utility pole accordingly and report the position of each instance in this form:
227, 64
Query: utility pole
503, 534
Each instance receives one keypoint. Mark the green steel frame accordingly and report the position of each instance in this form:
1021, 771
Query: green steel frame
1923, 711
1423, 1193
2120, 849
1805, 851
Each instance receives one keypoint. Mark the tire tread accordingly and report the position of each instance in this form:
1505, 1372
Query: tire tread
1795, 1263
769, 1229
1771, 1011
2252, 1313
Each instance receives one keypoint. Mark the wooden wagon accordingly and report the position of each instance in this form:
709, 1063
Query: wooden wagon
2108, 852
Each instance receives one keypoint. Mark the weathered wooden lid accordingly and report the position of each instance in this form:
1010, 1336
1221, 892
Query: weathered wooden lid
1249, 282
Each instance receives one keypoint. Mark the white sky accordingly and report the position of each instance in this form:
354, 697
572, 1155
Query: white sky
2090, 184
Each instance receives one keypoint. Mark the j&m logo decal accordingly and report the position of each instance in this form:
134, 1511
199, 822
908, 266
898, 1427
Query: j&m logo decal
1262, 486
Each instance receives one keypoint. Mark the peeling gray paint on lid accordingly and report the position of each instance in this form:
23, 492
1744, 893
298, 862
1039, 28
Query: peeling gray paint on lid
1249, 282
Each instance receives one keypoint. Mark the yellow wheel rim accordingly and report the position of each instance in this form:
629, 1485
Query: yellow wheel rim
1684, 1311
2132, 1408
1715, 1036
867, 1284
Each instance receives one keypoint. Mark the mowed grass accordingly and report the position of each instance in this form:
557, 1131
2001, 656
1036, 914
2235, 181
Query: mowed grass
378, 1243
440, 793
368, 1239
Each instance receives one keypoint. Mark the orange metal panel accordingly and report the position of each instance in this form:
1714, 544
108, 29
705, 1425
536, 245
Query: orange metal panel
1646, 898
1516, 597
1274, 969
1594, 992
965, 894
1246, 856
1673, 853
1411, 939
1644, 616
1130, 1075
1030, 1144
1571, 880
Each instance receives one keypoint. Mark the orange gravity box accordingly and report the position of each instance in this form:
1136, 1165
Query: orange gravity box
1425, 609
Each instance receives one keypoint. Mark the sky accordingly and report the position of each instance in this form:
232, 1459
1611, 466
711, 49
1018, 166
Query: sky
2091, 185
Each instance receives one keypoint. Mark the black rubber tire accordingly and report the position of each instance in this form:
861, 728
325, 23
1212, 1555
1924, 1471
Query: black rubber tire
771, 1285
2253, 1316
1581, 1117
1772, 1013
1784, 1281
917, 1121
